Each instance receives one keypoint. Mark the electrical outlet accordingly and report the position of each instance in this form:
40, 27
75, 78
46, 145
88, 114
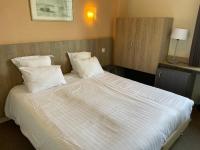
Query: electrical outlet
103, 50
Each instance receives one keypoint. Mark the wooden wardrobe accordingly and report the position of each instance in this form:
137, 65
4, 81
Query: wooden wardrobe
141, 43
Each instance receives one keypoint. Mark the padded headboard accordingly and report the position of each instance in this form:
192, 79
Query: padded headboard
10, 76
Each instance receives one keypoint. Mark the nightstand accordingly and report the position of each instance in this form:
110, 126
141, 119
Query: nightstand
180, 79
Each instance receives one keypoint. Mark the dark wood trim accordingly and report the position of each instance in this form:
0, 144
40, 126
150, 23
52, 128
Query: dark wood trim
169, 66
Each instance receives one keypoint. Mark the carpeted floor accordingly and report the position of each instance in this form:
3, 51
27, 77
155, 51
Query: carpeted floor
191, 137
12, 139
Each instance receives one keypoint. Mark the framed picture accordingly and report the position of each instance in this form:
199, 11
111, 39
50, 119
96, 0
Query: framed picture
52, 10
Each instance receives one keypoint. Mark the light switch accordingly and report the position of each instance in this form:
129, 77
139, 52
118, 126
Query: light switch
103, 50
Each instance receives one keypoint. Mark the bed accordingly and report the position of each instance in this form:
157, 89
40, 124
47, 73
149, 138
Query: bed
103, 112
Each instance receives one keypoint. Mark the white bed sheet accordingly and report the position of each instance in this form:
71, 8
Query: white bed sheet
105, 112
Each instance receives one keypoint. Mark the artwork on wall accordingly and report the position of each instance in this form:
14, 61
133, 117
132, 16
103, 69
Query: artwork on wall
52, 10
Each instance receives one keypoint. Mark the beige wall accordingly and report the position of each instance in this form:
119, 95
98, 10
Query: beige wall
16, 25
184, 13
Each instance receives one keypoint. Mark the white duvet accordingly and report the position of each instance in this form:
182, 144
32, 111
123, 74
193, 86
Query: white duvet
105, 112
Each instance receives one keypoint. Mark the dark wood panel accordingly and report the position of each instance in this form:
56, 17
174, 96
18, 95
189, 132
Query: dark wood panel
195, 71
138, 76
174, 80
10, 76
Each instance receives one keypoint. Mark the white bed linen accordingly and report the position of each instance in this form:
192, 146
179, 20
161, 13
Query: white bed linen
105, 112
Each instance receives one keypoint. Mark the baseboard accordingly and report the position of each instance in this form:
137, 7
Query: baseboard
197, 107
2, 120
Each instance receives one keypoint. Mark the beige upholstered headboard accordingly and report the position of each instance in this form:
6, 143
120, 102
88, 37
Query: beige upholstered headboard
10, 76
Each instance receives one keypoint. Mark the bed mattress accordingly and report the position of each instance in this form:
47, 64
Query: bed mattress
106, 112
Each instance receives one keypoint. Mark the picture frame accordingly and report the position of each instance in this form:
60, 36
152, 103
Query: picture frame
52, 10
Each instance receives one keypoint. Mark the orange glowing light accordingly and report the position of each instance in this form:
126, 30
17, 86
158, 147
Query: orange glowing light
90, 13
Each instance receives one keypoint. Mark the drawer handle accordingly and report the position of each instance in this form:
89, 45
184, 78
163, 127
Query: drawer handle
159, 75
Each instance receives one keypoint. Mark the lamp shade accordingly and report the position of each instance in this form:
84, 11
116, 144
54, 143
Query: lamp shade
179, 34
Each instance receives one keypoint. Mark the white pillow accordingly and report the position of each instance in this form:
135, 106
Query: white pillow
88, 67
40, 78
32, 61
78, 55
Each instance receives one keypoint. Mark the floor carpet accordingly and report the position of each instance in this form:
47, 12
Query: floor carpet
12, 139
